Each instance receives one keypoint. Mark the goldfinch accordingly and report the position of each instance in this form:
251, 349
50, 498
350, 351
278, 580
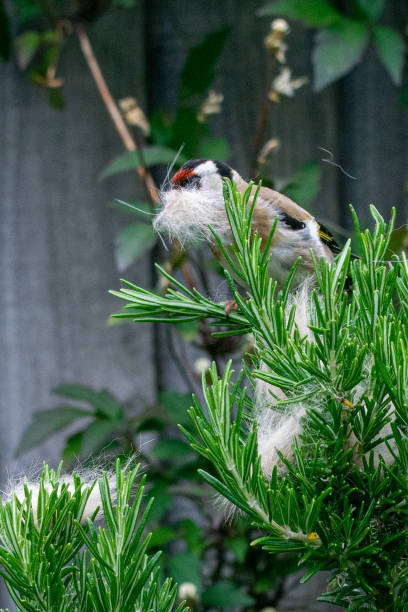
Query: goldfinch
195, 200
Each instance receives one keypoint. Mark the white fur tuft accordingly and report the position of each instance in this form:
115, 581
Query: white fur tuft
276, 433
88, 477
278, 430
188, 212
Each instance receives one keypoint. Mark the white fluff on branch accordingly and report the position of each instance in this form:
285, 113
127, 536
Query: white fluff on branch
302, 302
278, 430
88, 478
276, 434
185, 218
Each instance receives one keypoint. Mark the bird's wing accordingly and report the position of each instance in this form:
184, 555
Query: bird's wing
296, 213
274, 200
293, 213
327, 237
284, 204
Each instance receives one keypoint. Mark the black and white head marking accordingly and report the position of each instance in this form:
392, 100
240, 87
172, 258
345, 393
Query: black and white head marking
195, 201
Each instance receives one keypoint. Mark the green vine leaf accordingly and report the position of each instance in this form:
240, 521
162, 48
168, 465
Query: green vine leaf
132, 242
337, 50
27, 45
304, 184
196, 81
314, 13
48, 422
152, 156
390, 48
372, 9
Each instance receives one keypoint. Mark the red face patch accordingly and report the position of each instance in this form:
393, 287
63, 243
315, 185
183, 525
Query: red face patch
181, 176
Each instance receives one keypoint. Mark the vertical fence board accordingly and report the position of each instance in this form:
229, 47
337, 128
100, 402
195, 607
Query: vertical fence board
57, 242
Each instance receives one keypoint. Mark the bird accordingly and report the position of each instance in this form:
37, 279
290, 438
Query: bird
194, 201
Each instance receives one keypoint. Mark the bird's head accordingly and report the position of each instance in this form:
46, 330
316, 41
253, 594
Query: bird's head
194, 201
202, 174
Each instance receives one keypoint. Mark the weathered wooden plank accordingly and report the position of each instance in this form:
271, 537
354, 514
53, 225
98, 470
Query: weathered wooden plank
57, 237
373, 134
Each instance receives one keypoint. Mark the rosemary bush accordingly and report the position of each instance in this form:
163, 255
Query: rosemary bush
53, 557
338, 496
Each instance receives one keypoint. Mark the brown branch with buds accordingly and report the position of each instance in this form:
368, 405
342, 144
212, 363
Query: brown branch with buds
129, 142
132, 143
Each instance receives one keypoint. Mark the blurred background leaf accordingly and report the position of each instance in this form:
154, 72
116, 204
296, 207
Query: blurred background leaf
152, 155
132, 242
390, 48
315, 13
372, 9
337, 50
224, 595
48, 422
199, 69
187, 568
304, 184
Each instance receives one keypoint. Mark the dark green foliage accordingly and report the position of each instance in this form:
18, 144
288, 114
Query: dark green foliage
199, 69
184, 127
315, 13
344, 36
27, 10
304, 184
152, 155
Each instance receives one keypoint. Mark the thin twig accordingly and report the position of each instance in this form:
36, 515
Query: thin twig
111, 106
132, 144
106, 95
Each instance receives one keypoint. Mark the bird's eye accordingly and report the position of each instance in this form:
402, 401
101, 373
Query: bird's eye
291, 222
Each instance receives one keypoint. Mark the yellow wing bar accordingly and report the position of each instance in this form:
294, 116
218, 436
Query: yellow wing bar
325, 237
